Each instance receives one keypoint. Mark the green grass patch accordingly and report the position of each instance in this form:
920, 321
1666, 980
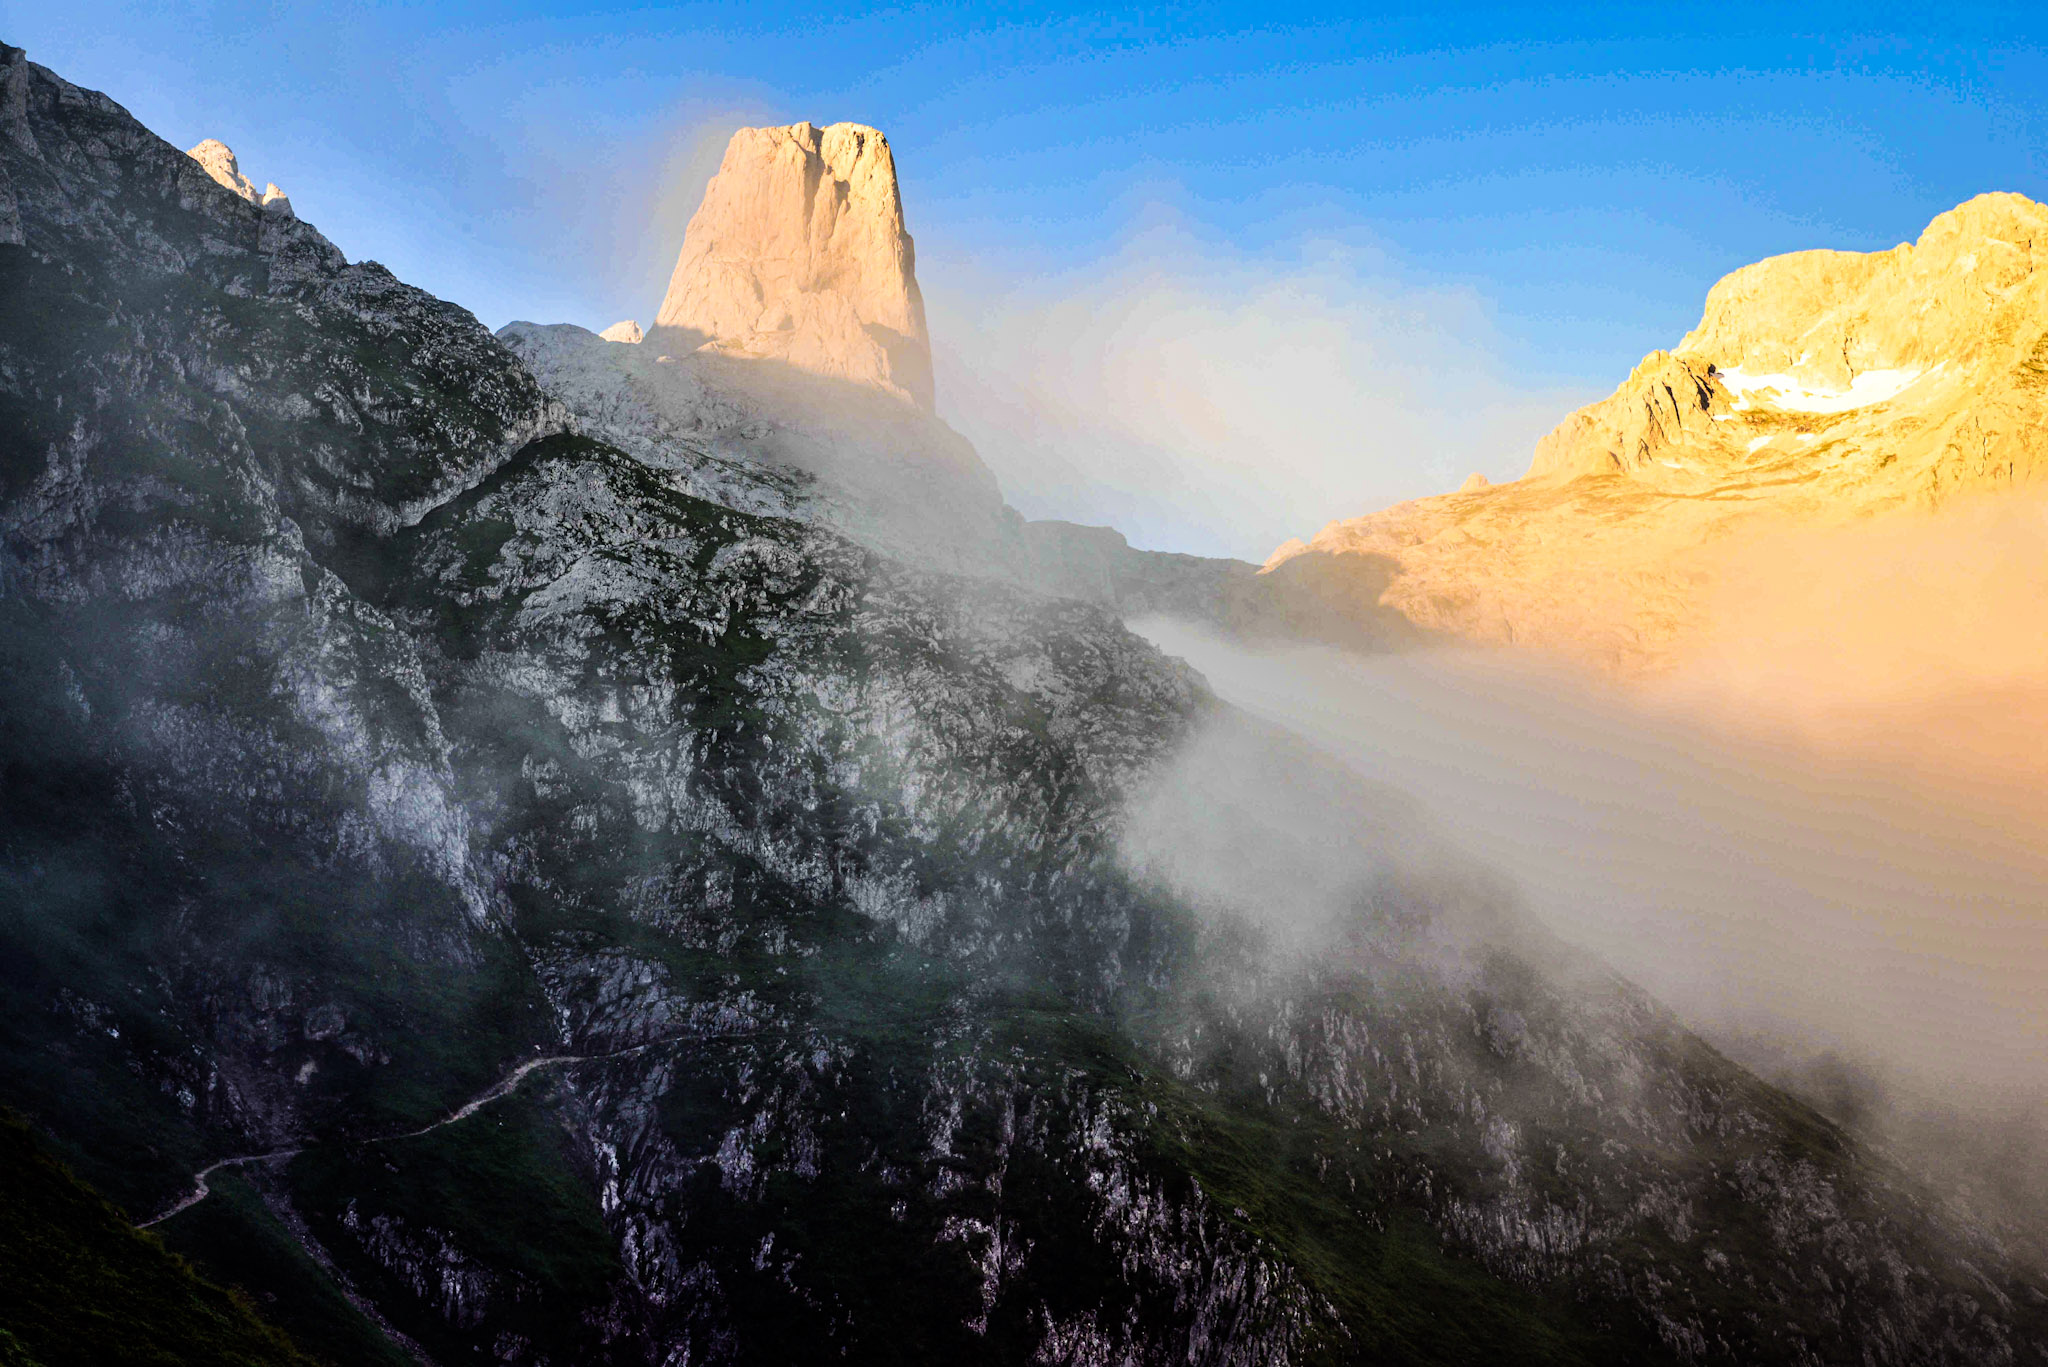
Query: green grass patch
233, 1239
505, 1190
79, 1287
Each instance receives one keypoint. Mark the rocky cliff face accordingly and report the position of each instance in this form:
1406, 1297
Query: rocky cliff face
1819, 388
798, 254
377, 719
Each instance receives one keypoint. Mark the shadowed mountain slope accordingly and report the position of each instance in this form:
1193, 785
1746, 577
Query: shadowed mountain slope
79, 1287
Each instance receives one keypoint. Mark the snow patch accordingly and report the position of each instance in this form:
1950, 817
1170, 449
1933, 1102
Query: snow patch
1782, 391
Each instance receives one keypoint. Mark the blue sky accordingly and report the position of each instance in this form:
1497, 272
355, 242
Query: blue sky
1571, 178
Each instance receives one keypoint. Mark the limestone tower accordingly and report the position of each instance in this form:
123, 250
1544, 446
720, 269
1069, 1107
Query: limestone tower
798, 254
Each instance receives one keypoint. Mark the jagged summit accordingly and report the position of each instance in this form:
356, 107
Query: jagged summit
219, 161
1849, 341
1819, 387
798, 254
1829, 316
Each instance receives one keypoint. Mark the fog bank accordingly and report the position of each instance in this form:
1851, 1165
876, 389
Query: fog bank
1850, 920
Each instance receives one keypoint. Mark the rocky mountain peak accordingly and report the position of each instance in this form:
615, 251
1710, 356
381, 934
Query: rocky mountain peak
1853, 340
798, 254
1826, 317
219, 160
1819, 388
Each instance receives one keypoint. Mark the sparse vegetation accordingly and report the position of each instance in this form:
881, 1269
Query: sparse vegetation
79, 1287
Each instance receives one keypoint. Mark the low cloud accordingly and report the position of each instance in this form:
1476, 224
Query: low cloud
1209, 400
1917, 640
1823, 840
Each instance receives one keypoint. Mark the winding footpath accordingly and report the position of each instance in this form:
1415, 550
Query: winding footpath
200, 1191
504, 1086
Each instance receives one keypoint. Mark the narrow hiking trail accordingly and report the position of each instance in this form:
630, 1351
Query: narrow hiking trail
503, 1087
200, 1191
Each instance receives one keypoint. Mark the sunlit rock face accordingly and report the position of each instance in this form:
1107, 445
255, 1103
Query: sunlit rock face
219, 161
798, 254
1862, 346
1819, 389
793, 339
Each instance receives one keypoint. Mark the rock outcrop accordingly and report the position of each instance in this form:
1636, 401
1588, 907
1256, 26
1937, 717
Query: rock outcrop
798, 254
219, 161
792, 333
1819, 388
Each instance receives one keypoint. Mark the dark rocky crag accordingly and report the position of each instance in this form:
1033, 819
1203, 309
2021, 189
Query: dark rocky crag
371, 723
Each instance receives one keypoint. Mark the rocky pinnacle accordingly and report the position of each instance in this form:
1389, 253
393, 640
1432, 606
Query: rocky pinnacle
219, 161
798, 254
